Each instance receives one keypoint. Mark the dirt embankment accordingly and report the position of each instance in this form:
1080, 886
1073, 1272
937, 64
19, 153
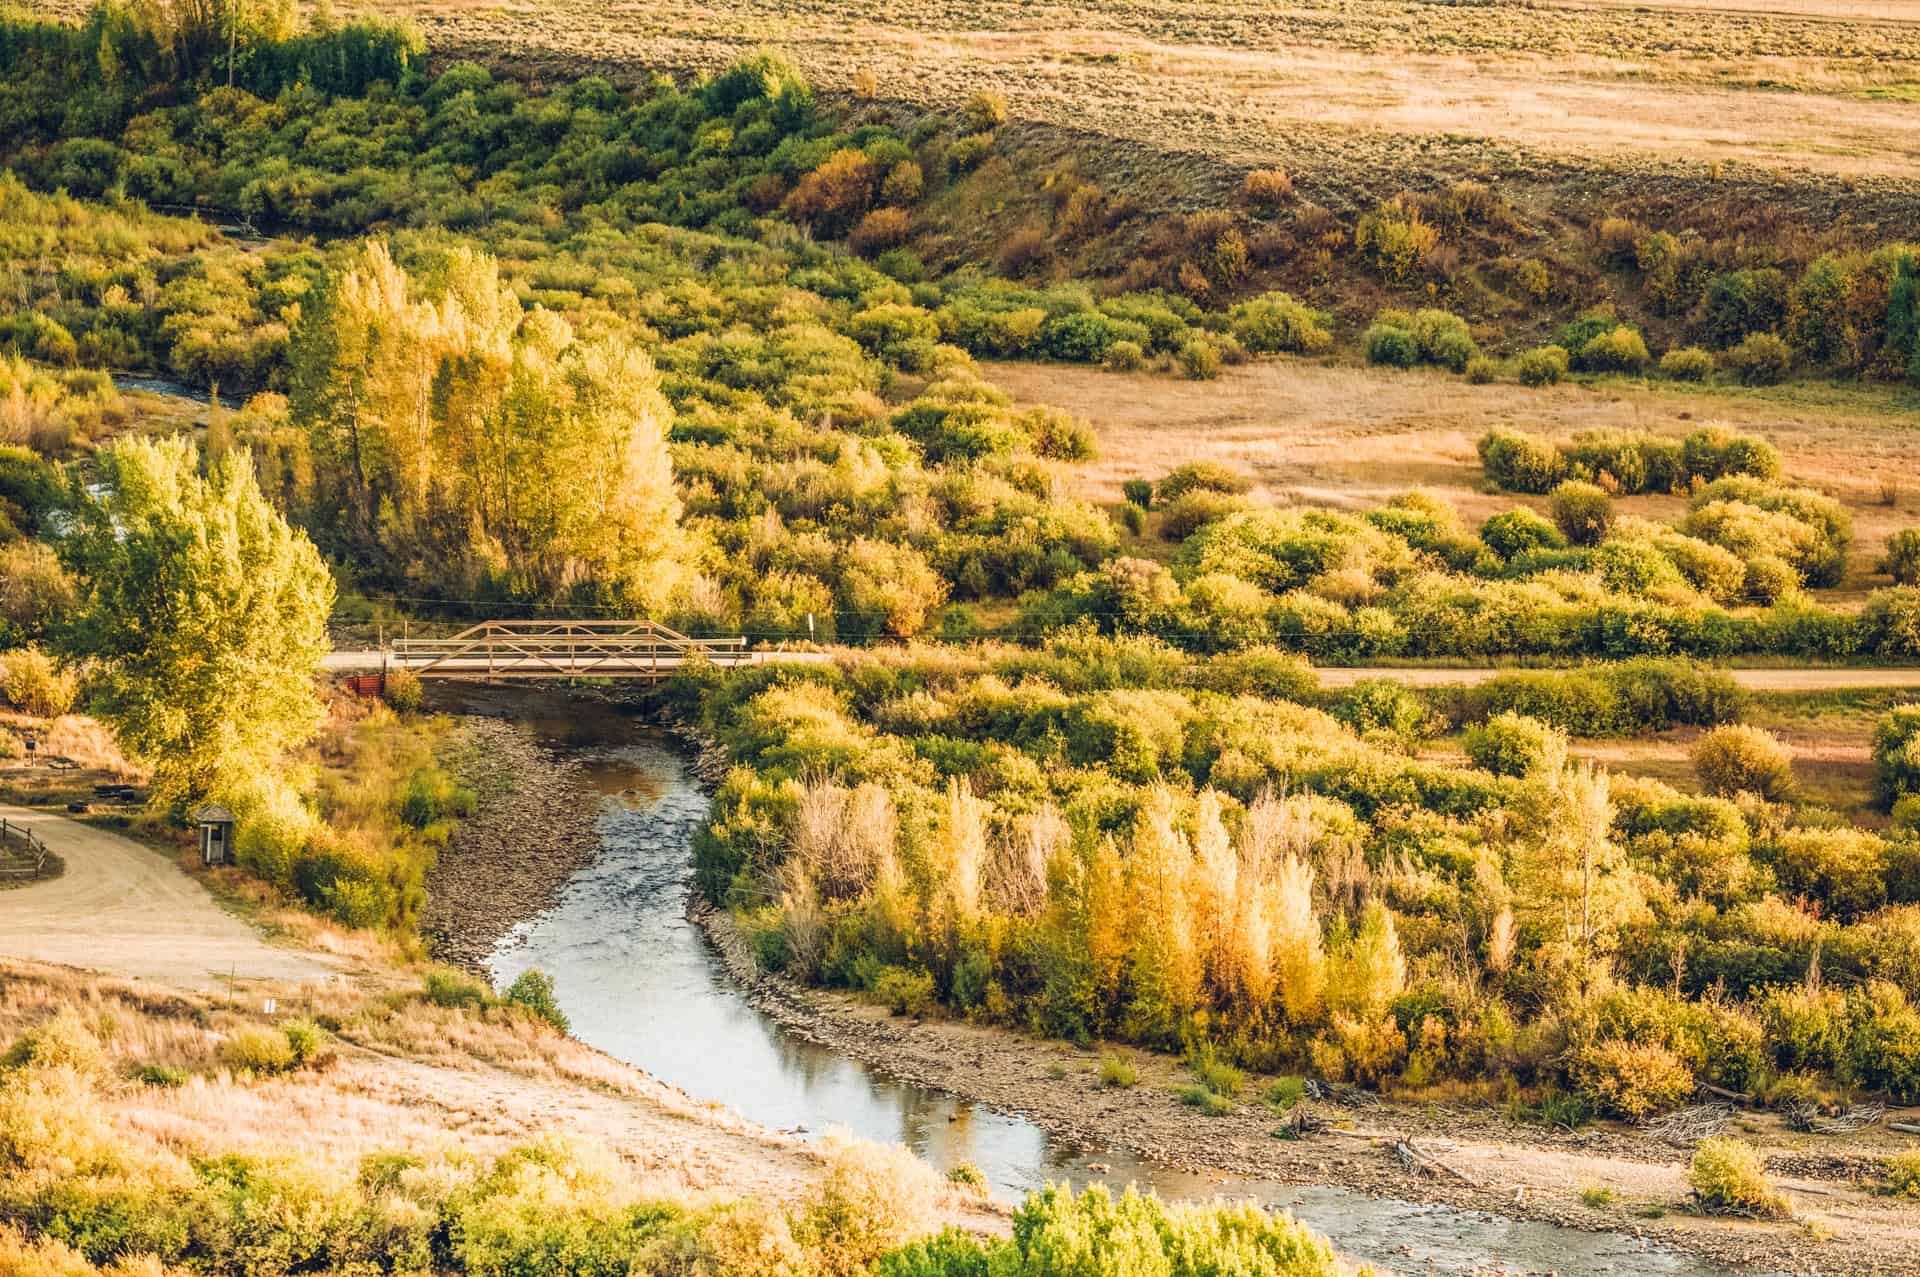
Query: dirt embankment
1502, 1167
532, 827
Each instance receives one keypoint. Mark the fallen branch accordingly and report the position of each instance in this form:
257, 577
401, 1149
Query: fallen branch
1905, 1128
1688, 1126
1806, 1116
1725, 1094
1416, 1161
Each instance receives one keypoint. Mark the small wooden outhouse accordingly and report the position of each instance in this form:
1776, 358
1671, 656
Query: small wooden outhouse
216, 834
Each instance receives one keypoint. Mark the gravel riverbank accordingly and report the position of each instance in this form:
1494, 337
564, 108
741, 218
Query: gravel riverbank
532, 828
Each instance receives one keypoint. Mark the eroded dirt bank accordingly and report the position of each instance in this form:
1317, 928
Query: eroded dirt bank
1497, 1166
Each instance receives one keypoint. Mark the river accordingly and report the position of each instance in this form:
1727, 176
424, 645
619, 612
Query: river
639, 981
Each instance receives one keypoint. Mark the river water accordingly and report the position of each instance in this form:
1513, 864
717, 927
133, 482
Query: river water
639, 981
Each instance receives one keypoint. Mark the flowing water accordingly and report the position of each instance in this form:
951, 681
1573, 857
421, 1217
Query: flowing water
638, 981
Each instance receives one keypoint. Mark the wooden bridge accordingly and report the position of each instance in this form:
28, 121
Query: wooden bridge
518, 650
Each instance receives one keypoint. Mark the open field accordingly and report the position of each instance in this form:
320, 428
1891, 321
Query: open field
1351, 437
1319, 86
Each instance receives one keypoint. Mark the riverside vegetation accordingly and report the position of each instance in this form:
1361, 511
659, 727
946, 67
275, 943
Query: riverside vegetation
592, 348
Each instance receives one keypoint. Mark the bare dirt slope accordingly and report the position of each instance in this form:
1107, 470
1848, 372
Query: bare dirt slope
124, 910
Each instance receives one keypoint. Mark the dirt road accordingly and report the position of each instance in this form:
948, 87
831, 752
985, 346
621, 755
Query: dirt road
1758, 680
124, 910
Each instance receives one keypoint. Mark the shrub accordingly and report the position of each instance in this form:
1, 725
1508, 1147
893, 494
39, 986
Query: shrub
1391, 346
1713, 452
1191, 511
257, 1050
1890, 623
1508, 744
1583, 512
1619, 349
1843, 868
1687, 363
1383, 705
870, 1200
1737, 759
1443, 339
1520, 462
880, 230
1396, 239
1116, 1073
1514, 532
451, 989
1761, 359
1728, 1177
532, 991
1896, 753
402, 689
1125, 356
1275, 323
31, 683
1138, 492
1482, 371
1200, 360
1541, 366
1903, 1174
1285, 1093
1902, 561
1202, 476
1266, 187
984, 112
1633, 1080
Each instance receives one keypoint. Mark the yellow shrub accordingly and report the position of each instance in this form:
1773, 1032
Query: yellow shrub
1633, 1080
871, 1199
1728, 1177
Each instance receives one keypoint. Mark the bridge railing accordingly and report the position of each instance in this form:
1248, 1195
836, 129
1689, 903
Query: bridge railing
563, 649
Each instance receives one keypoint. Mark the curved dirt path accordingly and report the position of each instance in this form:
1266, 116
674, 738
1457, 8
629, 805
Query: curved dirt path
122, 909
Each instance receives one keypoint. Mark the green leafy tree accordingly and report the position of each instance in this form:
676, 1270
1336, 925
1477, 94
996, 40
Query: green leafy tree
206, 611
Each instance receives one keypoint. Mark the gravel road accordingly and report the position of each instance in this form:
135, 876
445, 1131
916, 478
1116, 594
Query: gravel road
125, 910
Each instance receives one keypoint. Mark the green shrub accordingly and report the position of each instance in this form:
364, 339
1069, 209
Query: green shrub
1384, 705
1517, 531
1200, 360
1390, 346
454, 990
63, 1041
305, 1040
1902, 560
1202, 476
1125, 356
1728, 1177
257, 1050
1619, 349
1890, 623
1482, 371
1138, 492
1737, 759
1541, 366
1896, 753
902, 991
1443, 339
1761, 359
532, 992
1714, 452
1284, 1093
1508, 744
1844, 868
1687, 363
1213, 1073
1116, 1073
1193, 510
1520, 462
1583, 512
1209, 1102
1275, 322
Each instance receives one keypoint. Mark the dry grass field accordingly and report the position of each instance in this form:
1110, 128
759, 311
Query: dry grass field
1321, 86
1351, 437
